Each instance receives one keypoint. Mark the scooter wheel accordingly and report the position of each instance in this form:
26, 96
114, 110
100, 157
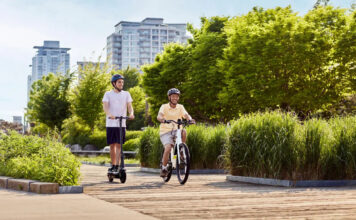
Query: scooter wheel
111, 178
123, 177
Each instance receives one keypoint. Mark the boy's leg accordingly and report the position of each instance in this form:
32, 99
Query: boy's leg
167, 150
113, 153
118, 153
184, 136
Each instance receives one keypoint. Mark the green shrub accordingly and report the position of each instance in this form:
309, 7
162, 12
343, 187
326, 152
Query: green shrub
37, 158
341, 162
314, 142
98, 138
263, 145
133, 134
132, 144
196, 141
215, 146
147, 143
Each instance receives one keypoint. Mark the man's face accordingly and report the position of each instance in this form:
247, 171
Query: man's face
119, 84
174, 98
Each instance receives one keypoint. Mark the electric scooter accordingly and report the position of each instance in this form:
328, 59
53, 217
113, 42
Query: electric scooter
121, 174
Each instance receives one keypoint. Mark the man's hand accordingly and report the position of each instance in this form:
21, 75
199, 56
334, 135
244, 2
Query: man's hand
131, 117
111, 117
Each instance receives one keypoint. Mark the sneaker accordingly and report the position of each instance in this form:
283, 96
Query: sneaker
115, 168
164, 172
111, 169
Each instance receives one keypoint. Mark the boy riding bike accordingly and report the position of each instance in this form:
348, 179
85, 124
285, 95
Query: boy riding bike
171, 111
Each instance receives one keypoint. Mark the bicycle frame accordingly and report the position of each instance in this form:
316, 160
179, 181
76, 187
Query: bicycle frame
177, 144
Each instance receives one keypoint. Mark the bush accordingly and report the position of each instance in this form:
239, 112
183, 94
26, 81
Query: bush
206, 144
42, 159
131, 145
150, 148
263, 145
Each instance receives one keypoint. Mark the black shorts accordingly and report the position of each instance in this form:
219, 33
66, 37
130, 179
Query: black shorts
113, 135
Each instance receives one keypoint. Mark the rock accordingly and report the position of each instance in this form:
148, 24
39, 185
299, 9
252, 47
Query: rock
68, 146
76, 147
106, 149
90, 147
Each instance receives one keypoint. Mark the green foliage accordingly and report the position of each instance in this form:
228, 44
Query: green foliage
36, 158
132, 144
205, 79
169, 70
264, 56
139, 105
150, 148
48, 102
263, 145
132, 77
206, 145
87, 95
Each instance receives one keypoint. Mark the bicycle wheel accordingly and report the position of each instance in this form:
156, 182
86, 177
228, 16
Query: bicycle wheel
169, 174
183, 167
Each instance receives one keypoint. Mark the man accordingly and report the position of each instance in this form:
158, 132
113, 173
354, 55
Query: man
116, 103
171, 111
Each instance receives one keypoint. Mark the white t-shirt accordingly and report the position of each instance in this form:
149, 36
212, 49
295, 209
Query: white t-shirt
117, 106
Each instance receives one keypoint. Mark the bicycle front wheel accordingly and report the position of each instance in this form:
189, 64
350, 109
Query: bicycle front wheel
183, 166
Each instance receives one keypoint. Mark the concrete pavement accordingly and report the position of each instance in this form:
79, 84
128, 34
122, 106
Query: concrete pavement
28, 206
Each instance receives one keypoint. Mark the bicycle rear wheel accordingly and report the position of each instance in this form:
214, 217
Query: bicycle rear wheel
183, 167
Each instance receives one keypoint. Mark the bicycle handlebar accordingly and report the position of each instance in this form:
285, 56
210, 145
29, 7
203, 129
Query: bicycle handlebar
179, 122
120, 117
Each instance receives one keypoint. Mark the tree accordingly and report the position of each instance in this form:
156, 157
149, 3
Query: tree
138, 104
276, 59
48, 102
169, 70
204, 78
87, 95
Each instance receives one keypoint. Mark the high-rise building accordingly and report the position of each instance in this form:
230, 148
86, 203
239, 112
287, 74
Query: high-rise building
50, 58
83, 64
137, 43
17, 119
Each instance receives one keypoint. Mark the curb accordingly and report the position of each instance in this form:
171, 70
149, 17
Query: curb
291, 183
35, 186
109, 164
197, 171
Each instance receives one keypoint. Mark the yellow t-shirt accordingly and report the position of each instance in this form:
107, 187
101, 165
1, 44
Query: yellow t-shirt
170, 113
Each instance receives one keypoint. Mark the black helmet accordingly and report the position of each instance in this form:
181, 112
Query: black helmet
116, 77
173, 91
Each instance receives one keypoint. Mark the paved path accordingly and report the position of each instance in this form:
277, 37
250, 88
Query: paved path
212, 197
32, 206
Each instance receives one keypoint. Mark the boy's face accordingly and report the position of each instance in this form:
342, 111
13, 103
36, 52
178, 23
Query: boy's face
119, 84
174, 98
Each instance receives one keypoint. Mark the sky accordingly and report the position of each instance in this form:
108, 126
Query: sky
83, 26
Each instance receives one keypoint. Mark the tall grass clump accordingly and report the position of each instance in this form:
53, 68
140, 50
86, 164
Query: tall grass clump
196, 141
216, 138
263, 145
315, 148
150, 147
43, 159
341, 163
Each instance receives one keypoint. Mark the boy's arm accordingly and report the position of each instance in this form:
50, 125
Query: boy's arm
106, 110
130, 110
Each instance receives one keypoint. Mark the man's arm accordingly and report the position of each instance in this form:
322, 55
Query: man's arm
106, 110
130, 110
